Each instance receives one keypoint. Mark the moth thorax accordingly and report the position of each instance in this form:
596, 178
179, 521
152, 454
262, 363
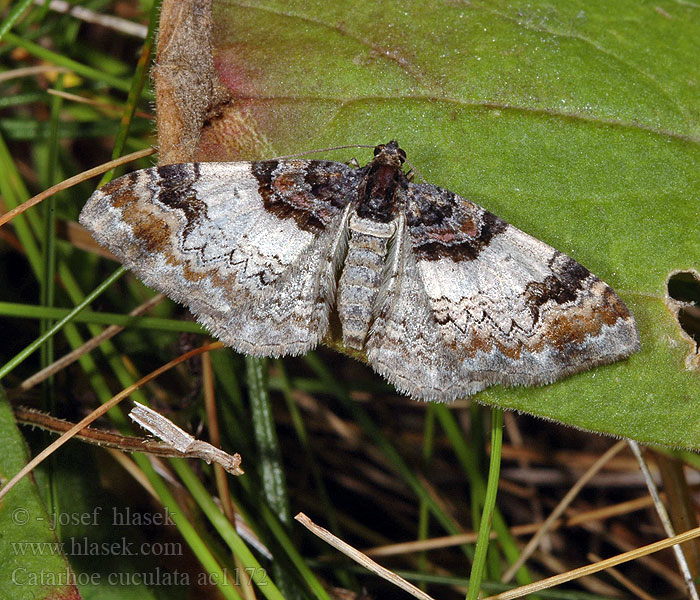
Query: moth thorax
361, 279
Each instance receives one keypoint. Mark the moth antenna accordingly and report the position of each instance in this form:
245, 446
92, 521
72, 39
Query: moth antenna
326, 150
413, 171
353, 162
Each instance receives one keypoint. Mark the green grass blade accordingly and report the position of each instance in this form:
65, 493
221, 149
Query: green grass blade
22, 355
137, 84
393, 456
33, 311
226, 530
482, 542
466, 459
14, 16
63, 61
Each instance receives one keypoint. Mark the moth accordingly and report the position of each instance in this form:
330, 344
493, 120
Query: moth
443, 297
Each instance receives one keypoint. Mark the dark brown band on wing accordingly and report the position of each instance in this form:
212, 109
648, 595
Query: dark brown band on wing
457, 240
312, 194
564, 285
445, 225
176, 190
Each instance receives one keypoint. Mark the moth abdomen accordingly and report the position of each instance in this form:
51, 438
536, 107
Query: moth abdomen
361, 279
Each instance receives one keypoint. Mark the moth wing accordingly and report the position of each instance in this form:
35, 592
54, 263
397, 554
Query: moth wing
250, 248
406, 343
492, 305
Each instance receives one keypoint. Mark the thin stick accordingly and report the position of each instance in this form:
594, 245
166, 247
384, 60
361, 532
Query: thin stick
91, 344
30, 71
182, 441
96, 103
360, 558
613, 561
516, 530
631, 586
99, 411
96, 436
560, 508
90, 16
665, 521
489, 504
71, 181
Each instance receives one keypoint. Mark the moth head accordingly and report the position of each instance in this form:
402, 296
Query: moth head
389, 153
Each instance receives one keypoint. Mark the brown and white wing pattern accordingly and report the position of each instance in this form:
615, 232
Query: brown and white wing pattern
250, 248
407, 344
445, 298
477, 302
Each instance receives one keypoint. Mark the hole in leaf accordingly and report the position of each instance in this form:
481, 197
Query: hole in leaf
684, 286
684, 300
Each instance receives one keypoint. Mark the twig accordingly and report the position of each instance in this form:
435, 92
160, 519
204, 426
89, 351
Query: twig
665, 521
360, 558
613, 561
183, 442
98, 412
71, 181
90, 16
630, 585
30, 71
96, 103
561, 507
91, 344
93, 435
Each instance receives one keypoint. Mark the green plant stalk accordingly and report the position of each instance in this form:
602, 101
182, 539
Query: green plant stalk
482, 542
270, 525
110, 353
270, 457
14, 16
393, 457
137, 83
22, 99
270, 465
462, 451
234, 414
424, 509
14, 192
107, 348
31, 311
48, 280
48, 291
68, 63
478, 454
312, 464
33, 131
23, 354
473, 460
300, 429
226, 530
186, 529
281, 537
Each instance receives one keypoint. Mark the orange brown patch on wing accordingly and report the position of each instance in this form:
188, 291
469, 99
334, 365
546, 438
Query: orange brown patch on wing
155, 234
123, 193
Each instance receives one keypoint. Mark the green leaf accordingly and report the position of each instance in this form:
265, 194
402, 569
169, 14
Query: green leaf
33, 564
574, 121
